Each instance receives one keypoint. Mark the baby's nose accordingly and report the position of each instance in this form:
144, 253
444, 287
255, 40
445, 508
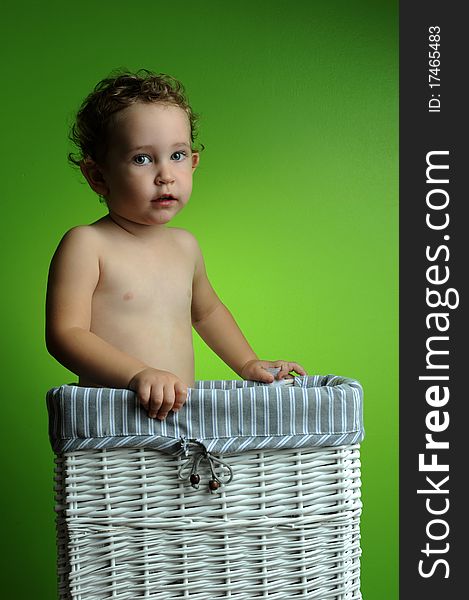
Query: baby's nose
164, 175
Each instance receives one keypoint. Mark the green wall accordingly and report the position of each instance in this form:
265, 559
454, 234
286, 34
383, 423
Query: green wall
295, 206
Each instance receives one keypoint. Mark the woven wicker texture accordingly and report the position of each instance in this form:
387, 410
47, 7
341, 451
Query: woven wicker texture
287, 526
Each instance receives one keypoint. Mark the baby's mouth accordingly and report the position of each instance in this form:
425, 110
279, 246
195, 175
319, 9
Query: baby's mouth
165, 199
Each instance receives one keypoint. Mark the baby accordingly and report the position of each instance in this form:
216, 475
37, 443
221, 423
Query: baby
124, 292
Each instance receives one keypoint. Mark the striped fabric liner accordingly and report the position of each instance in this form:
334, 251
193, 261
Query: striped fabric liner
226, 416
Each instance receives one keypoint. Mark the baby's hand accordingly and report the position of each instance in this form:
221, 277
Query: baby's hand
158, 391
255, 370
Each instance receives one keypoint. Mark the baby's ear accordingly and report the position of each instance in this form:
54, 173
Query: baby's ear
94, 176
195, 160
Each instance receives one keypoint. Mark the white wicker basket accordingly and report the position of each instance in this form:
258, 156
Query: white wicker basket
129, 527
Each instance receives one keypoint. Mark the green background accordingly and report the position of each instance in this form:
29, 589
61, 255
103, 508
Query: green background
294, 205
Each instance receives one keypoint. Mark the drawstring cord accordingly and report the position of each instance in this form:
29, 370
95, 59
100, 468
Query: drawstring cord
196, 453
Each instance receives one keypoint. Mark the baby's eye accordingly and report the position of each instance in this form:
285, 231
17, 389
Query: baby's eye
142, 159
178, 155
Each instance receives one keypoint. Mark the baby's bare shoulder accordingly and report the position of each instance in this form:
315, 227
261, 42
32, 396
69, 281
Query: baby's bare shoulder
76, 258
82, 241
185, 239
84, 235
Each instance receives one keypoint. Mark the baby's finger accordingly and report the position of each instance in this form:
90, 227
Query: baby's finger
260, 373
181, 396
283, 367
156, 400
143, 395
168, 402
297, 368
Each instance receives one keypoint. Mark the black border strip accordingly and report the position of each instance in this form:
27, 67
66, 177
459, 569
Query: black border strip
434, 241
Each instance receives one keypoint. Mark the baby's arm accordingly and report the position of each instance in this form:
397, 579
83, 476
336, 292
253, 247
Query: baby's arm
73, 277
217, 327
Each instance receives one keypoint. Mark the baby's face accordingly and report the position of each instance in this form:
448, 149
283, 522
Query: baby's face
149, 165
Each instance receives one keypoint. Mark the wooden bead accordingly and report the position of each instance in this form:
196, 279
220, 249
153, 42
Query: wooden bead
195, 479
213, 485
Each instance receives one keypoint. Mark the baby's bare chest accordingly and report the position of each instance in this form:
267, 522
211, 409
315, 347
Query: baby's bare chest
134, 281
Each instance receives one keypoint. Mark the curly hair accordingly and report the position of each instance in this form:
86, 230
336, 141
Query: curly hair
121, 89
